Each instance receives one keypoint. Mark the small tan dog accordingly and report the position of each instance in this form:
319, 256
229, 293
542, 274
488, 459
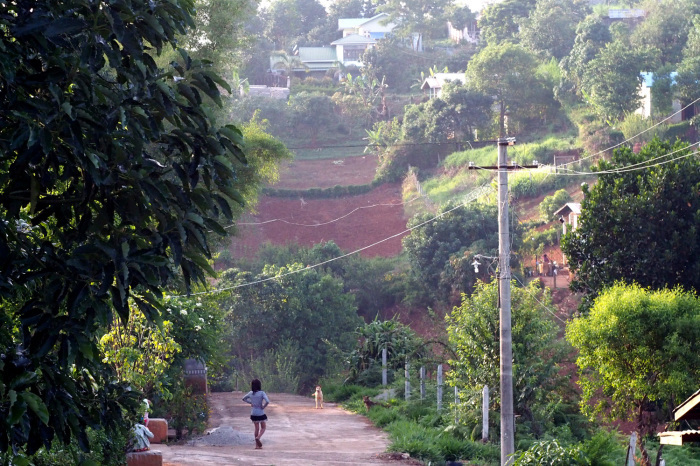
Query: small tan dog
318, 394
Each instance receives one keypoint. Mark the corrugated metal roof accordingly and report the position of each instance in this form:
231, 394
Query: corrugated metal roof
626, 14
317, 54
350, 23
438, 80
679, 437
353, 23
354, 39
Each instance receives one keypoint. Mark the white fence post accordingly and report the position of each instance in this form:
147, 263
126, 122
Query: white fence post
631, 450
384, 377
422, 383
485, 414
439, 387
408, 382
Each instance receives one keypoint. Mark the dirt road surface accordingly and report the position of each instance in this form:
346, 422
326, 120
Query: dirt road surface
297, 434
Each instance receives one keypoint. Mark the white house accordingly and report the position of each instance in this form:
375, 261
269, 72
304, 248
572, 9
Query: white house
373, 27
436, 82
349, 49
645, 109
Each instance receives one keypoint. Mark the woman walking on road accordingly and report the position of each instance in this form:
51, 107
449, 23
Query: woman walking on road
258, 400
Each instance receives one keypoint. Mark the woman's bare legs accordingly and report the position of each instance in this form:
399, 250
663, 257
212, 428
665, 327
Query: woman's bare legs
262, 429
258, 445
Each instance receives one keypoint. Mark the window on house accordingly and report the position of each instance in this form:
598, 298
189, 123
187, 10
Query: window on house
353, 52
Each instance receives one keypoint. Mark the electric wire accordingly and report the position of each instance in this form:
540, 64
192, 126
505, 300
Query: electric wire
471, 197
281, 220
634, 167
540, 302
633, 137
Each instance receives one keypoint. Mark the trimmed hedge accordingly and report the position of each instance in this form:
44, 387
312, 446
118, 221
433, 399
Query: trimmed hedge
323, 193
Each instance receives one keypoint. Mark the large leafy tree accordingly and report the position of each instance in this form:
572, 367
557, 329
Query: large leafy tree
473, 331
425, 17
501, 21
665, 29
641, 224
591, 35
612, 81
306, 309
111, 174
440, 252
506, 71
636, 348
550, 30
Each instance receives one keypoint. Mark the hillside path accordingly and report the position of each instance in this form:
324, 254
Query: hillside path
297, 434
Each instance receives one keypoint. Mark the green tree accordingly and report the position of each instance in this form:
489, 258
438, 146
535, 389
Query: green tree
639, 225
550, 30
111, 174
289, 21
551, 204
220, 34
305, 308
636, 347
591, 35
664, 30
311, 112
473, 330
469, 110
612, 81
445, 247
507, 72
400, 341
423, 17
500, 22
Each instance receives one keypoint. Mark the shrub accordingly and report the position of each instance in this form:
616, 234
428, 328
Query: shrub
551, 204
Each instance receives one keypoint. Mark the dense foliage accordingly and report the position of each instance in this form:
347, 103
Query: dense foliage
636, 348
306, 310
112, 172
473, 330
639, 222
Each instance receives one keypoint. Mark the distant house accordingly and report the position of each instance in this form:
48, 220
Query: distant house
645, 108
568, 215
318, 59
436, 82
349, 49
469, 34
373, 27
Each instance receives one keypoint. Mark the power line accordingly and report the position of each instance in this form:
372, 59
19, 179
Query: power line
329, 221
638, 134
634, 167
540, 302
471, 197
402, 144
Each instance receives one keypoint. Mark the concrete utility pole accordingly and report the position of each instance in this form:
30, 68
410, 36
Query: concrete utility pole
506, 337
507, 414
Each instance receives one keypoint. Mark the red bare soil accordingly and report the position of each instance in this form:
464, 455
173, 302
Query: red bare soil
326, 173
366, 218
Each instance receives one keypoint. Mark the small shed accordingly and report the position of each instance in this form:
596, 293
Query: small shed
436, 82
568, 215
686, 411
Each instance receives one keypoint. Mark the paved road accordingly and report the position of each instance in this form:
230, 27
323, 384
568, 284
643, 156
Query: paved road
297, 434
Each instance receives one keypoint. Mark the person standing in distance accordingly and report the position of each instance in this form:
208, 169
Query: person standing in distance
258, 400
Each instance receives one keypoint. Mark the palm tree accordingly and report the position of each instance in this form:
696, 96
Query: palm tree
288, 63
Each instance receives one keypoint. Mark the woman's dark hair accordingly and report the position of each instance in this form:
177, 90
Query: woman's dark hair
255, 385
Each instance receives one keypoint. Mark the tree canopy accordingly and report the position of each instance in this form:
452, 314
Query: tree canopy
640, 222
473, 331
111, 174
507, 72
636, 347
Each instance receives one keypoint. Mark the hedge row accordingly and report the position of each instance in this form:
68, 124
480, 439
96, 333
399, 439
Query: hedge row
323, 193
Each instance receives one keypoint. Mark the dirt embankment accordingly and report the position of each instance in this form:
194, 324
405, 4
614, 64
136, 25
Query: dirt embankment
352, 222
